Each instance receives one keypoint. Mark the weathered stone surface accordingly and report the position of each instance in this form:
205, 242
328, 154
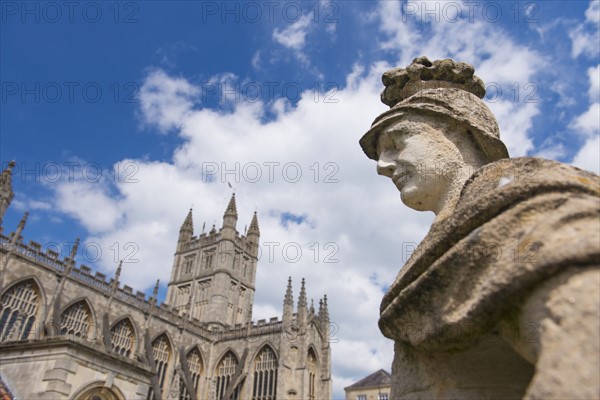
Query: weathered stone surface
500, 300
401, 83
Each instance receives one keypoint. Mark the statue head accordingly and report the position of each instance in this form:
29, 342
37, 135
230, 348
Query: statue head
437, 131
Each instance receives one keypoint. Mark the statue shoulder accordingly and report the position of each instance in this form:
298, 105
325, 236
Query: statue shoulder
528, 174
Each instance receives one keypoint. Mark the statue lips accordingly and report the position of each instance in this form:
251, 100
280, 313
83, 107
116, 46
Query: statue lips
400, 179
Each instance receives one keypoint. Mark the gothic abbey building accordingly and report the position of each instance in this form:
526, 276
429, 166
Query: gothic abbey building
66, 333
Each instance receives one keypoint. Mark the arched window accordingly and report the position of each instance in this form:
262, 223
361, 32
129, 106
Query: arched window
162, 355
312, 374
195, 364
224, 374
76, 320
265, 375
99, 393
122, 337
18, 311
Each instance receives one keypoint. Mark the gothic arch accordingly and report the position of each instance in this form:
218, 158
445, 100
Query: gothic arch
314, 375
124, 336
224, 353
263, 373
164, 357
21, 306
196, 348
37, 282
96, 390
260, 348
224, 372
311, 348
167, 335
75, 324
197, 369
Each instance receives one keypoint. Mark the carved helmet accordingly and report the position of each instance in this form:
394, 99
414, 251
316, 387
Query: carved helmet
444, 89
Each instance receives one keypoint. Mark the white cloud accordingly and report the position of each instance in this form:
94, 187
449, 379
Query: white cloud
139, 223
515, 121
89, 203
584, 37
592, 14
165, 101
594, 89
256, 60
588, 156
588, 123
294, 36
552, 151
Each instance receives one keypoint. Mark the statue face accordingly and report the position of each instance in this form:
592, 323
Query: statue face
421, 161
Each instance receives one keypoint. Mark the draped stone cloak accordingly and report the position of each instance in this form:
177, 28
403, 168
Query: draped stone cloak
518, 222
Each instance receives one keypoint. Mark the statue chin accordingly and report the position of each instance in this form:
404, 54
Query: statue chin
411, 199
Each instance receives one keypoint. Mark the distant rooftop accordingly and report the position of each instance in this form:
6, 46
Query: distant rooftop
376, 379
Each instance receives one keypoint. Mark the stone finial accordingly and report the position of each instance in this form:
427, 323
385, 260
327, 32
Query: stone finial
117, 276
231, 207
21, 226
5, 177
74, 250
155, 291
71, 260
254, 224
6, 190
118, 272
188, 223
401, 83
325, 314
288, 299
302, 298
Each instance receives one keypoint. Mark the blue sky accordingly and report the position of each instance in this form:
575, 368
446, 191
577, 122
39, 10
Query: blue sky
123, 115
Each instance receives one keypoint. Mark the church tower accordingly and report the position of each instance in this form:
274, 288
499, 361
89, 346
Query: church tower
214, 274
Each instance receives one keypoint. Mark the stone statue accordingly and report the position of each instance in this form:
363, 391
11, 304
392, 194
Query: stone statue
501, 300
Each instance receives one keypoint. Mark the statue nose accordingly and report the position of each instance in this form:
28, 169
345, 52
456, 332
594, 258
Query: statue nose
385, 168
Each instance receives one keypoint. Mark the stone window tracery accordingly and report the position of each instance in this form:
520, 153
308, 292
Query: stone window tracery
312, 374
208, 259
182, 298
122, 337
188, 262
99, 393
265, 375
195, 365
18, 311
162, 355
76, 320
224, 373
201, 299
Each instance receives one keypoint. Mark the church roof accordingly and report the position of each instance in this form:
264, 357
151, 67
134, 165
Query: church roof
376, 379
